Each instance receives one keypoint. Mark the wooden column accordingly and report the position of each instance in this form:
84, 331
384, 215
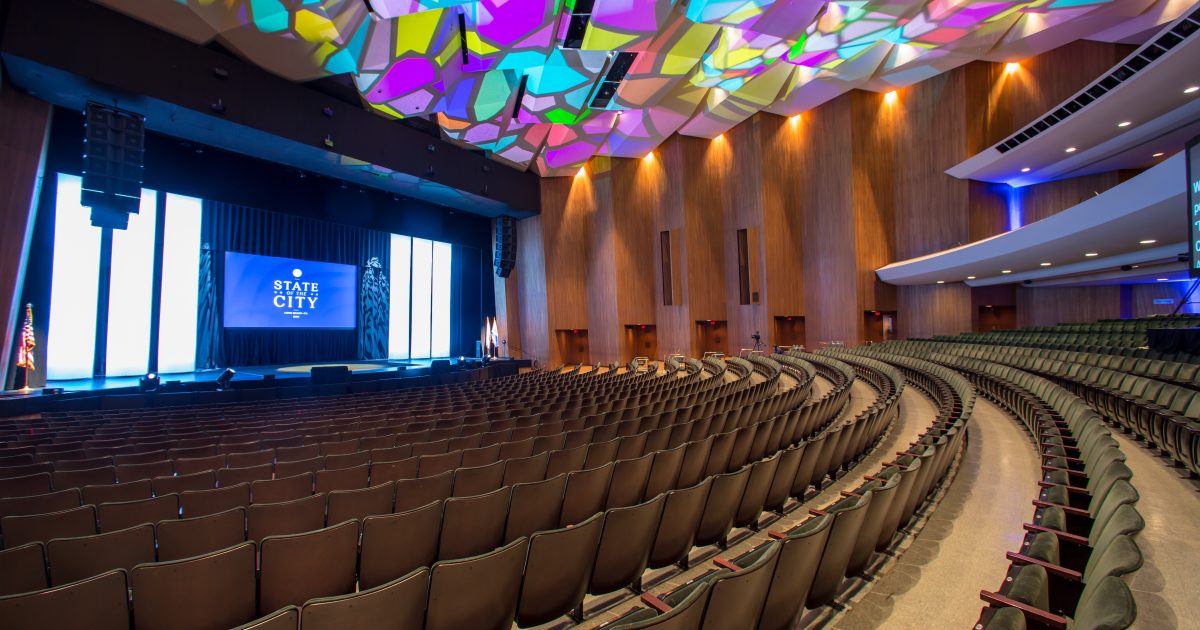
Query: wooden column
24, 129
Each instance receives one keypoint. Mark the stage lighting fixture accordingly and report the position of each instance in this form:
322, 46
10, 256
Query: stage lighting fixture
225, 378
149, 382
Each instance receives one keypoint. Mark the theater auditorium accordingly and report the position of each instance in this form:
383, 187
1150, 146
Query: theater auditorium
599, 314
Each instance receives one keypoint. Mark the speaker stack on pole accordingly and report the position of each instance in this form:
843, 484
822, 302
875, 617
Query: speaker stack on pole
506, 246
113, 152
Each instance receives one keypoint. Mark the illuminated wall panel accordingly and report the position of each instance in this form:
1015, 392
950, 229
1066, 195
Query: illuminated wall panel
131, 287
71, 337
422, 296
440, 319
180, 285
401, 286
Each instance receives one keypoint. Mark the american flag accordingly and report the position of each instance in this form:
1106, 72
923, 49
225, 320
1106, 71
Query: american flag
25, 357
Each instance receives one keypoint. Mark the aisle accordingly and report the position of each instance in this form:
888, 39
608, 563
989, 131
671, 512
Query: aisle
936, 582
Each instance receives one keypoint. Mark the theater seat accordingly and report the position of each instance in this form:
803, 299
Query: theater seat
396, 604
187, 537
557, 570
799, 557
534, 507
848, 515
113, 516
624, 549
72, 559
215, 590
19, 530
282, 489
685, 615
204, 502
393, 545
473, 525
478, 592
286, 618
299, 567
98, 603
23, 569
738, 592
359, 504
677, 529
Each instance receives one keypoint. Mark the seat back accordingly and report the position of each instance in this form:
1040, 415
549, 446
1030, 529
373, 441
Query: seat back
557, 570
203, 480
478, 592
625, 544
1108, 603
677, 528
215, 590
283, 489
586, 493
359, 504
129, 491
534, 506
722, 506
755, 496
882, 494
396, 604
737, 597
414, 493
205, 502
97, 603
114, 516
781, 485
41, 503
394, 545
19, 530
473, 525
848, 516
628, 482
289, 517
299, 567
73, 559
187, 537
352, 478
686, 615
286, 618
797, 566
23, 569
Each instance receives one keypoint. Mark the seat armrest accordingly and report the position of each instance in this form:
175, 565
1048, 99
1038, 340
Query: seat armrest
1030, 612
725, 564
655, 603
1073, 538
1065, 508
1060, 571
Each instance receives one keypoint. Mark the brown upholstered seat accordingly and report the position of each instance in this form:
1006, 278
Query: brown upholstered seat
396, 604
128, 491
287, 517
882, 495
252, 458
525, 469
587, 491
414, 493
558, 567
23, 569
798, 560
722, 506
473, 525
695, 458
215, 590
282, 489
286, 618
628, 484
479, 592
204, 502
106, 475
625, 544
359, 504
299, 567
298, 467
114, 516
18, 530
196, 465
755, 496
677, 529
534, 507
347, 460
73, 559
848, 515
567, 460
204, 480
436, 464
665, 470
387, 472
395, 544
56, 501
478, 480
781, 485
98, 603
144, 470
186, 537
234, 476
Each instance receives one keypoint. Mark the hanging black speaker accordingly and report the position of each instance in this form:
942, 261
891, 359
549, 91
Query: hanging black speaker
113, 151
506, 246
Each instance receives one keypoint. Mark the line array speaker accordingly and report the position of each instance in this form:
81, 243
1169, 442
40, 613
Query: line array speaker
506, 246
113, 153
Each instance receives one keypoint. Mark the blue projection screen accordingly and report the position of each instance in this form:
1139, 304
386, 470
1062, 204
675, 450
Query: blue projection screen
269, 292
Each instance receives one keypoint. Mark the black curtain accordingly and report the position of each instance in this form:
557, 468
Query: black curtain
228, 227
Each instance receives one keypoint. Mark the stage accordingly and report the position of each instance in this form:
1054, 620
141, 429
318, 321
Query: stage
418, 367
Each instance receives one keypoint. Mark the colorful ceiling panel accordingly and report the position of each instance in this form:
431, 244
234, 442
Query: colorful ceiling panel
546, 84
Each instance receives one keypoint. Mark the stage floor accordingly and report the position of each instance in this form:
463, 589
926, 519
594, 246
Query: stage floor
250, 373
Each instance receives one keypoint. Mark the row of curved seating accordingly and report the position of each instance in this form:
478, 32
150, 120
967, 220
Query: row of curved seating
777, 421
1127, 338
1079, 543
770, 586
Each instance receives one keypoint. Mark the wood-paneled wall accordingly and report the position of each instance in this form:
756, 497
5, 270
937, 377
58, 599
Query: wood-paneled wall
533, 306
24, 127
663, 183
1047, 306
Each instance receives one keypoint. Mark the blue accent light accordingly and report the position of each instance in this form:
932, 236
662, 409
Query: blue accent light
1014, 208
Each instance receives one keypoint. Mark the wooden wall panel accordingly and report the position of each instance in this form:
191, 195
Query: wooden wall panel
1144, 295
665, 177
24, 127
826, 197
533, 309
637, 189
743, 209
938, 309
602, 264
706, 192
1046, 306
782, 220
873, 126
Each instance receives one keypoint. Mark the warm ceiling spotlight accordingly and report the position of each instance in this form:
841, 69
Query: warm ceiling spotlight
1191, 90
1045, 264
795, 120
941, 282
1124, 123
1006, 271
1091, 254
1148, 241
582, 171
720, 138
649, 157
1071, 149
1159, 154
1011, 67
890, 97
970, 277
1025, 170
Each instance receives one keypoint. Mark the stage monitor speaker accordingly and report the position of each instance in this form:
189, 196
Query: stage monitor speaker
113, 154
439, 366
327, 374
506, 246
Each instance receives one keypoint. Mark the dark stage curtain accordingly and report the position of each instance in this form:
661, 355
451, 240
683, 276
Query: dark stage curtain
228, 227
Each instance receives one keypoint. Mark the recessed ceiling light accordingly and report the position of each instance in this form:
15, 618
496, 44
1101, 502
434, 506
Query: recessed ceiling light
1006, 271
1133, 266
1045, 264
1159, 154
941, 282
970, 277
1149, 241
1124, 123
890, 97
1092, 254
1011, 67
1025, 170
1190, 90
1071, 149
1163, 279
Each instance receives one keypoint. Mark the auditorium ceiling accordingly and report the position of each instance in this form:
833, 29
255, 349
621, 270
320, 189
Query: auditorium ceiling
547, 84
